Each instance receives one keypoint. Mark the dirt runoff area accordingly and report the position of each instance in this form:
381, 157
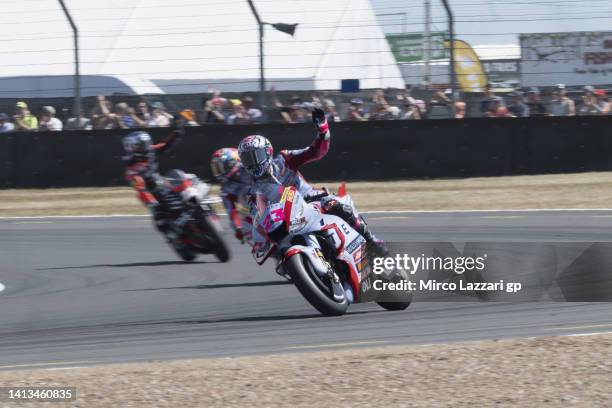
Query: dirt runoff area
585, 190
543, 372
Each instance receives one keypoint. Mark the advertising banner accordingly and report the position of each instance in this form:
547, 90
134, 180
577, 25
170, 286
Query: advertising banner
409, 47
470, 73
573, 58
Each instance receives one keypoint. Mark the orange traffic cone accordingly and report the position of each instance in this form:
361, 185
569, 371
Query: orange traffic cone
342, 190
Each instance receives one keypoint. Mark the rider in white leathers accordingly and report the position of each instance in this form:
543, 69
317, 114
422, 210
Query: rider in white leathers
271, 172
235, 183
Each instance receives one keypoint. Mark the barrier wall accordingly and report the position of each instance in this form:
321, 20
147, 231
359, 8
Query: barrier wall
359, 151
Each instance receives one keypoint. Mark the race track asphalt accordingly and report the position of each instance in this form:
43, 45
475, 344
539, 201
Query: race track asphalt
81, 291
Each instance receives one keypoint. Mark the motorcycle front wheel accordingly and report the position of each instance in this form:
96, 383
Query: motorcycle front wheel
303, 277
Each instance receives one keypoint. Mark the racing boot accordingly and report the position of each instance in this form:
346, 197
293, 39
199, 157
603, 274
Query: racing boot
347, 213
378, 246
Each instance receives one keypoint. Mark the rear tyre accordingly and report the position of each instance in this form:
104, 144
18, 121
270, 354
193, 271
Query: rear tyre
313, 293
393, 306
395, 300
184, 252
215, 240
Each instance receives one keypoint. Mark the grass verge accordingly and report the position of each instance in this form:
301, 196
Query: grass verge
584, 190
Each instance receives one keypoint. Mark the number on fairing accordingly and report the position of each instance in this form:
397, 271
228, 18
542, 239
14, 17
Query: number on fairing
277, 215
273, 217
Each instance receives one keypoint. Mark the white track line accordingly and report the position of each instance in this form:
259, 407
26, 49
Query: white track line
34, 366
381, 343
65, 368
586, 334
32, 222
583, 326
54, 217
328, 345
487, 211
527, 210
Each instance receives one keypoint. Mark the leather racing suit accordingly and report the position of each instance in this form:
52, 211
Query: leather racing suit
235, 194
141, 172
284, 171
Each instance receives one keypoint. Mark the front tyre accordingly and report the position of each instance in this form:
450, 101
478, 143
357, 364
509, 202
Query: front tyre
313, 293
215, 240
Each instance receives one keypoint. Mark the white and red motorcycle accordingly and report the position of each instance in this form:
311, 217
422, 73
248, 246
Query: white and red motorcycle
322, 255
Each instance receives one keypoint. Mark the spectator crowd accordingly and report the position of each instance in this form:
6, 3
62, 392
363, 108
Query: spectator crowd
592, 102
384, 105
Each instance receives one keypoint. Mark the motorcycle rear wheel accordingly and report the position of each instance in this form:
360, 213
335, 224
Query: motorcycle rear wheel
392, 306
184, 252
302, 279
217, 243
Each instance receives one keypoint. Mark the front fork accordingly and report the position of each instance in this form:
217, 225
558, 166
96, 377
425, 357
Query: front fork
340, 289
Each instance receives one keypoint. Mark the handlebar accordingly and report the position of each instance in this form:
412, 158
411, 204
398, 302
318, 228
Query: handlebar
316, 197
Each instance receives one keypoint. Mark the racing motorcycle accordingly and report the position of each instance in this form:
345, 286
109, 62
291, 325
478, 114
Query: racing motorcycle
195, 227
319, 253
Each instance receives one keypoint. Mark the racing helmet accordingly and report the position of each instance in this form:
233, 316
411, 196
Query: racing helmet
177, 180
225, 163
137, 144
256, 154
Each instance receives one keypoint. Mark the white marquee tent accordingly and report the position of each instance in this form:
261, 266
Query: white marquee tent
190, 46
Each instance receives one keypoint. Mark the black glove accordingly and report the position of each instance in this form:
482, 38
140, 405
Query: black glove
318, 117
320, 121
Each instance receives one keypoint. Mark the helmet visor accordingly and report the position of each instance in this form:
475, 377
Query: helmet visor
253, 158
128, 144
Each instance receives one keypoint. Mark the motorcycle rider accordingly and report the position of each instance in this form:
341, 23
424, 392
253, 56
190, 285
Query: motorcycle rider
141, 172
235, 186
257, 156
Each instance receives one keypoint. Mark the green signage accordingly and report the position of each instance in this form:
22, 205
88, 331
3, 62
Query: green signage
409, 47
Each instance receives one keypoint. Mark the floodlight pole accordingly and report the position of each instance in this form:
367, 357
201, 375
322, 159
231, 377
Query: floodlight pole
77, 74
262, 79
285, 28
427, 45
451, 33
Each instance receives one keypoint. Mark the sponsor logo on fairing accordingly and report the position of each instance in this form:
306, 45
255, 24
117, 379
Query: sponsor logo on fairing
354, 244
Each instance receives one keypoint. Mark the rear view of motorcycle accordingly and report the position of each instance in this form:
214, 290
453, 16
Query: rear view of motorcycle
193, 225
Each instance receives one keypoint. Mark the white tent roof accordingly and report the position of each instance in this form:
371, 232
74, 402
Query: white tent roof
190, 46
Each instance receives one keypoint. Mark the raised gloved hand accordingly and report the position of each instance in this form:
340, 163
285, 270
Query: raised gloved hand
320, 121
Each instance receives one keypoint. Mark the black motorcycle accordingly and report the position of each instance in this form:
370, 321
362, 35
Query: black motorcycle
193, 226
